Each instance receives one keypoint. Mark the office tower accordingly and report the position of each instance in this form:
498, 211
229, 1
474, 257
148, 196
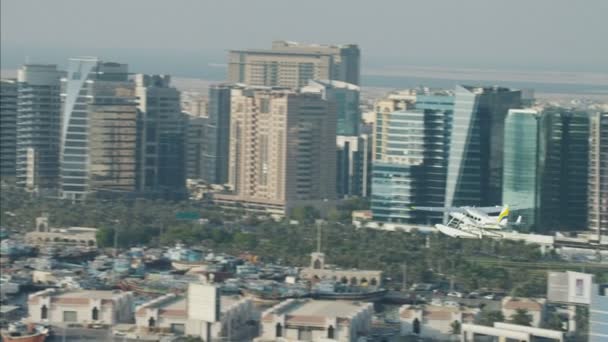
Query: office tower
598, 173
98, 131
161, 155
39, 127
281, 150
346, 98
353, 165
476, 145
217, 135
195, 145
524, 159
292, 65
410, 157
566, 171
8, 127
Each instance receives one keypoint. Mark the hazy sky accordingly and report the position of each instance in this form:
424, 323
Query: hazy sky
172, 35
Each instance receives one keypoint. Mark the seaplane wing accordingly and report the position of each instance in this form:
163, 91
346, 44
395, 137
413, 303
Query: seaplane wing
440, 209
485, 210
457, 233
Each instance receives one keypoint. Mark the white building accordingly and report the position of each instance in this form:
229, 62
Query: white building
175, 314
435, 321
315, 320
535, 307
59, 307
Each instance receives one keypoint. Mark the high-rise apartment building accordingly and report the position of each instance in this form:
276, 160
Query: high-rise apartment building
8, 127
475, 169
217, 135
98, 129
410, 157
279, 155
292, 65
161, 138
39, 127
346, 98
598, 173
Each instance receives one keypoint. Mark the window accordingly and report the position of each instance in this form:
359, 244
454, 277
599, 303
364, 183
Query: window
95, 314
44, 312
279, 330
330, 332
178, 329
70, 316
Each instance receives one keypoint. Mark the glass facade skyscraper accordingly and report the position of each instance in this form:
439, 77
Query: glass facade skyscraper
97, 98
217, 135
474, 175
8, 127
346, 97
161, 136
38, 128
410, 157
524, 158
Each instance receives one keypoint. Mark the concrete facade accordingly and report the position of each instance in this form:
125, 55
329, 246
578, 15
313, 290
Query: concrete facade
278, 156
292, 65
58, 307
312, 320
169, 314
435, 321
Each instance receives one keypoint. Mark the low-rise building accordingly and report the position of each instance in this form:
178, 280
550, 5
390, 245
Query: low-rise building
435, 322
535, 307
170, 314
508, 332
318, 271
72, 236
59, 307
316, 320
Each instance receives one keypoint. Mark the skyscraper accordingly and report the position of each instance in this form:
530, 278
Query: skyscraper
195, 145
598, 173
161, 147
278, 150
292, 65
410, 159
8, 127
524, 162
39, 127
217, 135
346, 97
98, 129
475, 169
354, 165
566, 171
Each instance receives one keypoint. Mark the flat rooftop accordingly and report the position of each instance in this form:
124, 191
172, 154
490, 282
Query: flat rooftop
89, 294
324, 308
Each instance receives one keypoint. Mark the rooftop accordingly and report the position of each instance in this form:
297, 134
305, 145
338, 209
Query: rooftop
322, 308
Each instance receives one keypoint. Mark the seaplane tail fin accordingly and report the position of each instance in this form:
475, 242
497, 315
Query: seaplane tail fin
504, 213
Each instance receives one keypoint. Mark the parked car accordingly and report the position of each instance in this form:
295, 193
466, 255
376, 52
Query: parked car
455, 294
490, 296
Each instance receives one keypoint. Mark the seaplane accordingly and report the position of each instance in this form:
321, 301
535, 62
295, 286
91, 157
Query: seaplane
473, 222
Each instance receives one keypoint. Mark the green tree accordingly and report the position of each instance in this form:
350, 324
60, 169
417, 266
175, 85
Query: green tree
521, 317
489, 317
455, 328
553, 321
